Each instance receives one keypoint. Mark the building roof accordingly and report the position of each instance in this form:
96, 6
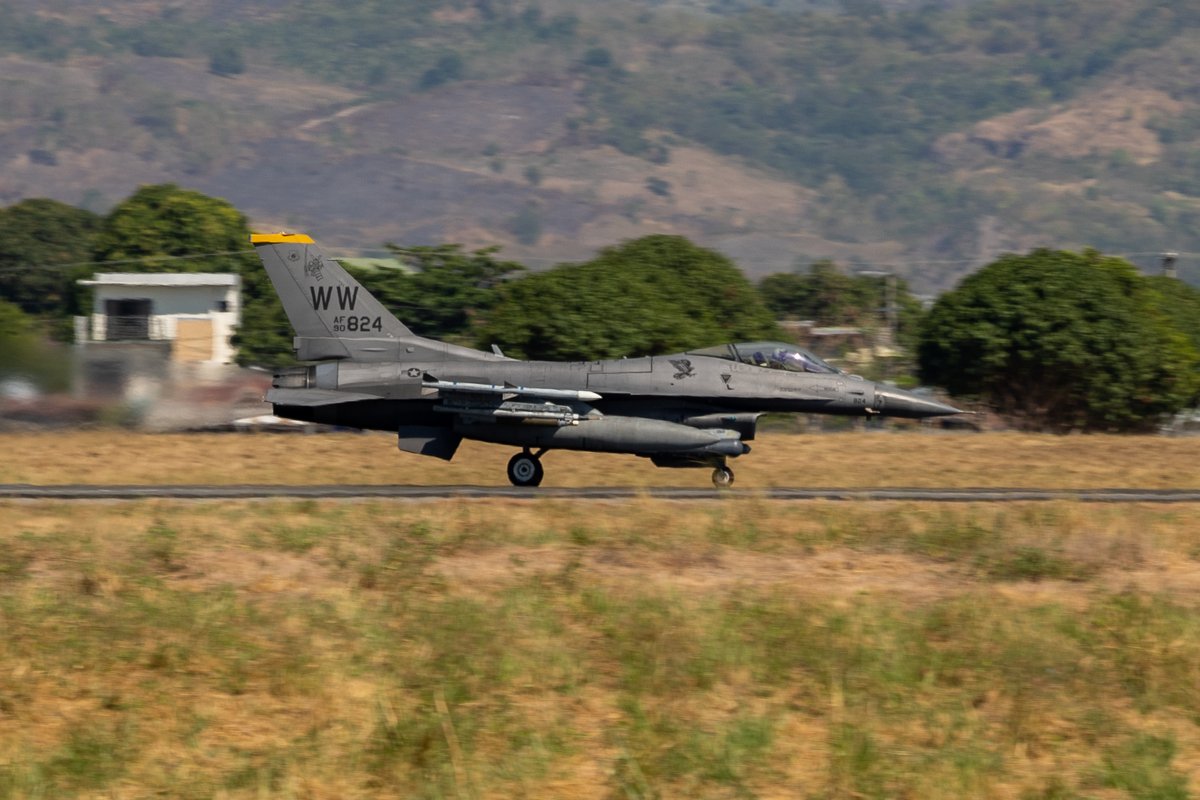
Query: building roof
163, 279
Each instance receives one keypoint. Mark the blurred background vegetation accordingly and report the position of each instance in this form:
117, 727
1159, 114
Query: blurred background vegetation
1052, 340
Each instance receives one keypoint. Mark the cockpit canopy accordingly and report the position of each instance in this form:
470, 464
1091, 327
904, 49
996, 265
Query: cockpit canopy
772, 355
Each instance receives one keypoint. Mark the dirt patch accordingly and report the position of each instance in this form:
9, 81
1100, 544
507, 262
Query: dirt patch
840, 573
461, 119
253, 571
1099, 123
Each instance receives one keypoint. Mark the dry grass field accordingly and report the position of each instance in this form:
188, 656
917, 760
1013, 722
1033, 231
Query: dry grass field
579, 649
923, 459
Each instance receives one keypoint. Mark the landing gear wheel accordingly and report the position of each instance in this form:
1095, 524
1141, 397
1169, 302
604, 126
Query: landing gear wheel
525, 469
722, 477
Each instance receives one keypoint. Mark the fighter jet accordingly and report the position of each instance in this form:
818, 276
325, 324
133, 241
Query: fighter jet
693, 409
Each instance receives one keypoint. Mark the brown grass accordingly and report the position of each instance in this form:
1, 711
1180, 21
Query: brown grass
496, 649
829, 460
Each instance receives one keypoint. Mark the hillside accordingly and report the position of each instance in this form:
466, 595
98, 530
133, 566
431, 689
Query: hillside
926, 140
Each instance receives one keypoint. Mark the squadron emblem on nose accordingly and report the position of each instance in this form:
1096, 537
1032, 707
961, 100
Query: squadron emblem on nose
684, 367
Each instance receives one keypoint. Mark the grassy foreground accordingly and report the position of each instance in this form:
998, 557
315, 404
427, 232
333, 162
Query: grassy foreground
823, 460
498, 649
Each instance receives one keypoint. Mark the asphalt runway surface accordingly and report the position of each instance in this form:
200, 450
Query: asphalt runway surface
336, 491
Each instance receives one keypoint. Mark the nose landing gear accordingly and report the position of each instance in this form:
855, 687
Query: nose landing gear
722, 477
525, 469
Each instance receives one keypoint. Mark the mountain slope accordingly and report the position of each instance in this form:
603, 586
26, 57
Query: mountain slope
923, 140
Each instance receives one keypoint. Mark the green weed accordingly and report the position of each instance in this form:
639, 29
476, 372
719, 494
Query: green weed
14, 561
858, 765
950, 539
1142, 767
299, 539
93, 756
1028, 563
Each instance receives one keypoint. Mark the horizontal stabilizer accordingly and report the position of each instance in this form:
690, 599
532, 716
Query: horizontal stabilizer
315, 397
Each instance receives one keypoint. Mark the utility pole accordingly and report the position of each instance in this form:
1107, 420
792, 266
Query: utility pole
887, 334
889, 301
1168, 265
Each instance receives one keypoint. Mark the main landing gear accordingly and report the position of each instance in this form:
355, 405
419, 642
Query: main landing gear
525, 468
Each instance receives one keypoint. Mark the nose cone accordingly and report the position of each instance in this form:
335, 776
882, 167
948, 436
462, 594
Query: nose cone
898, 403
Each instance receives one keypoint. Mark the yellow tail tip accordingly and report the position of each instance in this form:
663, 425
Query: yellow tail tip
280, 238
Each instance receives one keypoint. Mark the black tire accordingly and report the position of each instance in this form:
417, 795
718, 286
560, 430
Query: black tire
525, 469
722, 477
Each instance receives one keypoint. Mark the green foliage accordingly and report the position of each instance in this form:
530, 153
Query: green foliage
1142, 767
1031, 564
1061, 341
160, 223
24, 353
13, 324
824, 294
1180, 302
42, 244
264, 337
656, 294
597, 58
448, 68
90, 758
526, 224
828, 296
446, 292
658, 186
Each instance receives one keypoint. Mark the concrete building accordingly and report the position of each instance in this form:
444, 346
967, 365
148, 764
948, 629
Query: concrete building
194, 313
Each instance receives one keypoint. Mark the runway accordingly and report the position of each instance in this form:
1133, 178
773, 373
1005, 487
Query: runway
86, 492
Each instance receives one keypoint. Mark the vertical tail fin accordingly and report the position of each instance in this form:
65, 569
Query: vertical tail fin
332, 314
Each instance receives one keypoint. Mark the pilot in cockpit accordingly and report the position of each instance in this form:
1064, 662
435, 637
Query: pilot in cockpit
791, 359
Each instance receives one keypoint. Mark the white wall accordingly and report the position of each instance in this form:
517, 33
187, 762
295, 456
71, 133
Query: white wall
168, 303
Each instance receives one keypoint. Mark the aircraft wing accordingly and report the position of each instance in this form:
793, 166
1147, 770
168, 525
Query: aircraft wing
315, 397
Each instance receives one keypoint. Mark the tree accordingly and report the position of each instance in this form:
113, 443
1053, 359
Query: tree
449, 67
164, 228
1061, 341
13, 325
828, 296
24, 353
526, 224
264, 336
1180, 302
42, 245
824, 294
447, 290
597, 58
656, 294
